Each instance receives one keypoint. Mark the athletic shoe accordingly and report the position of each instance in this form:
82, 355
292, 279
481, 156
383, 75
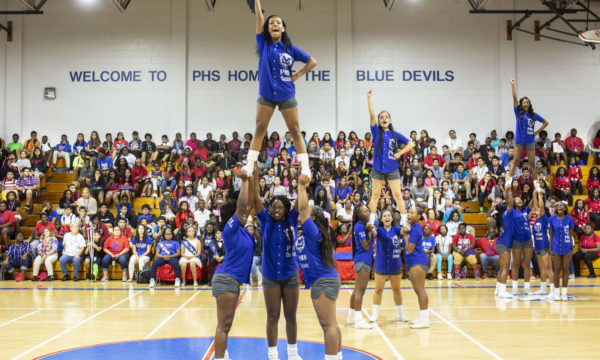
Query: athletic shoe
564, 298
571, 276
477, 277
420, 324
591, 276
152, 283
541, 292
556, 296
515, 291
429, 276
65, 278
183, 284
350, 319
449, 275
440, 277
531, 276
403, 318
195, 284
104, 279
485, 276
504, 295
362, 324
177, 282
130, 280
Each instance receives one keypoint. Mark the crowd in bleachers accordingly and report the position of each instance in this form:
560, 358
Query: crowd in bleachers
95, 224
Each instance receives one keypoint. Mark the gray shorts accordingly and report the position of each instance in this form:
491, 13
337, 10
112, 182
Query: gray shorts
523, 244
501, 248
225, 283
543, 252
283, 104
362, 265
330, 286
289, 283
528, 147
376, 175
399, 272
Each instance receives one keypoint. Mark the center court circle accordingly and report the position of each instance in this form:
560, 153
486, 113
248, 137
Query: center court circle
197, 348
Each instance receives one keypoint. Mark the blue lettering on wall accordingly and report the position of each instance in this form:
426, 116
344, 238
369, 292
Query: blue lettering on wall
206, 75
428, 75
375, 75
112, 76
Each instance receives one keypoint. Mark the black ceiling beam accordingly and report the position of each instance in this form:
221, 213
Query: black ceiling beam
565, 11
516, 25
22, 12
559, 13
555, 38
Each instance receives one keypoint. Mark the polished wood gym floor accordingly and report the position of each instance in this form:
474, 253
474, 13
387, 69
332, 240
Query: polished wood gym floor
467, 322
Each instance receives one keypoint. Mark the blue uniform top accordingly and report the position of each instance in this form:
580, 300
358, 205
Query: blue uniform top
540, 233
561, 234
168, 247
522, 230
308, 254
389, 247
418, 256
239, 246
278, 262
360, 254
526, 127
275, 69
384, 160
142, 245
428, 243
506, 238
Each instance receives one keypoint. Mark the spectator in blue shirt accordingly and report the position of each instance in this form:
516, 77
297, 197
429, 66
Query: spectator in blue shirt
63, 150
460, 181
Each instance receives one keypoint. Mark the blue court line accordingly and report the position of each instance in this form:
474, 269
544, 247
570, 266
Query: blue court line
257, 289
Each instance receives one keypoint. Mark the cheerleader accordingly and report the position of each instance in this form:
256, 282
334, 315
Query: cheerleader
561, 242
522, 245
525, 139
388, 264
362, 253
416, 265
541, 243
386, 155
276, 81
504, 247
281, 283
314, 253
235, 269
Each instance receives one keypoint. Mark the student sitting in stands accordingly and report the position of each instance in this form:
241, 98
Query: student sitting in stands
168, 253
116, 249
593, 181
429, 248
463, 245
18, 257
489, 256
575, 175
580, 217
562, 186
47, 254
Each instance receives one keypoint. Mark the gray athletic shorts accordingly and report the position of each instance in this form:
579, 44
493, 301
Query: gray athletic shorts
399, 272
523, 244
543, 252
329, 285
283, 104
289, 283
362, 265
225, 283
501, 248
528, 147
394, 175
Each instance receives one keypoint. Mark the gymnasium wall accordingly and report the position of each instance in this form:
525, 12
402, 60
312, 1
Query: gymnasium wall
430, 63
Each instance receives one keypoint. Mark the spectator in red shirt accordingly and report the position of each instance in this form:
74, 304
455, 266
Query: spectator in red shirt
589, 250
593, 206
432, 221
116, 249
575, 147
580, 217
575, 175
7, 224
428, 160
562, 186
463, 245
489, 256
593, 181
344, 239
140, 178
486, 185
525, 178
235, 144
41, 225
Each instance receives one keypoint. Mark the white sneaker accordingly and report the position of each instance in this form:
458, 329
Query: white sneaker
515, 291
497, 291
528, 292
152, 284
177, 282
420, 324
564, 298
556, 296
183, 284
440, 277
124, 278
504, 295
571, 276
104, 279
540, 292
130, 280
350, 319
362, 324
449, 275
372, 319
403, 318
195, 284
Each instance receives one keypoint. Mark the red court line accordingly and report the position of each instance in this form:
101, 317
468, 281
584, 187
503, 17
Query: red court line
211, 349
459, 285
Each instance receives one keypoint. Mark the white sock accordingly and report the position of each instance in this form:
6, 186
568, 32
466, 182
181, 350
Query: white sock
502, 289
358, 316
552, 288
543, 285
515, 284
424, 315
563, 291
400, 311
303, 159
526, 286
351, 315
376, 311
273, 354
292, 350
330, 357
372, 218
340, 356
226, 355
497, 287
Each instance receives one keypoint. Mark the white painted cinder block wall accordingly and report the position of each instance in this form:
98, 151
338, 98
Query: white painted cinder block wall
182, 36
